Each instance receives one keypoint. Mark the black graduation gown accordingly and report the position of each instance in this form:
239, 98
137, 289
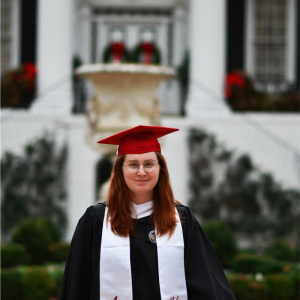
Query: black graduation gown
205, 278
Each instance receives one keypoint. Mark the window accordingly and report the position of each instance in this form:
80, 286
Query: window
271, 44
6, 7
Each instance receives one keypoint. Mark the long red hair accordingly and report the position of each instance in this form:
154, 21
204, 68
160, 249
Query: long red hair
119, 204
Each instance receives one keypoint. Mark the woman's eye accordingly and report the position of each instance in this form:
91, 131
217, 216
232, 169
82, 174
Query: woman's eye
133, 165
149, 165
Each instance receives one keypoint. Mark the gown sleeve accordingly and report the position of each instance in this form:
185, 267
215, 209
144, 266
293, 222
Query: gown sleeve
78, 275
205, 278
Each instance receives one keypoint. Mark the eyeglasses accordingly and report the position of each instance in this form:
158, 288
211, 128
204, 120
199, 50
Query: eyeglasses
133, 166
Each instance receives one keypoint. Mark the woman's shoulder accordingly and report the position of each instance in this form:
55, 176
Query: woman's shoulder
94, 211
184, 212
182, 208
99, 209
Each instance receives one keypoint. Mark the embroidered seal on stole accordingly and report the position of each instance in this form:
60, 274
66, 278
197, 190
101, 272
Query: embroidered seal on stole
152, 236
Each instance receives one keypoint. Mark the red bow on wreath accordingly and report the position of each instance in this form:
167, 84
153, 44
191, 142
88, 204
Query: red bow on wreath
147, 51
233, 78
117, 51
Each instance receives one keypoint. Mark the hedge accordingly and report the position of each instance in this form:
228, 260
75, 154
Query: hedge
56, 272
13, 255
58, 252
280, 250
36, 234
252, 263
269, 287
245, 287
280, 286
43, 283
222, 240
281, 279
37, 283
31, 283
11, 287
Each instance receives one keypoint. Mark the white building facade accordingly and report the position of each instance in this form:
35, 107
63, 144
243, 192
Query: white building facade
83, 28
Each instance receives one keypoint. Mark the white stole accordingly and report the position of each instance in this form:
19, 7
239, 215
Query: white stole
115, 267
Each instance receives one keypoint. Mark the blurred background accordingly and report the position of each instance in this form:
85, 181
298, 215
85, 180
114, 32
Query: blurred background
225, 72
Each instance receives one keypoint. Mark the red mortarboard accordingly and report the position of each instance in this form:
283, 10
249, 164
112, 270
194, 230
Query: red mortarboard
139, 139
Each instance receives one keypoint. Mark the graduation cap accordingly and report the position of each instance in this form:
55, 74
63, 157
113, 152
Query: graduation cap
139, 139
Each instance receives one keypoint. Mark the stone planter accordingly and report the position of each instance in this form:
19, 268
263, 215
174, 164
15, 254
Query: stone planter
124, 97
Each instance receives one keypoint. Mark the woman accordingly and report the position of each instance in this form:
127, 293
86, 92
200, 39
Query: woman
141, 244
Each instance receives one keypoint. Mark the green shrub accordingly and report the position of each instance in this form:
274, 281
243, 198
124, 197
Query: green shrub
293, 270
222, 240
36, 235
280, 250
296, 255
56, 272
37, 283
13, 255
251, 263
58, 252
11, 284
269, 287
239, 284
246, 287
280, 286
31, 283
247, 251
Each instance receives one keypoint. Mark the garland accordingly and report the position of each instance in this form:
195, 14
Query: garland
18, 86
146, 53
116, 52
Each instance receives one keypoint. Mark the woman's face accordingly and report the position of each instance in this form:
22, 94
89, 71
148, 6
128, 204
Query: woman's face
140, 181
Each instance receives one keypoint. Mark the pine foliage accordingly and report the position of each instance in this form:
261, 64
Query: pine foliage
34, 184
228, 187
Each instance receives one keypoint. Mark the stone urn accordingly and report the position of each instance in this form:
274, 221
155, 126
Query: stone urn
124, 98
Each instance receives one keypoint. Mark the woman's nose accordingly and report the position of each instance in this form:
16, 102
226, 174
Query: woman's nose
141, 170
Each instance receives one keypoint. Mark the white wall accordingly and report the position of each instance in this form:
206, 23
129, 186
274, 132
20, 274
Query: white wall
20, 128
234, 132
207, 63
82, 162
270, 139
174, 148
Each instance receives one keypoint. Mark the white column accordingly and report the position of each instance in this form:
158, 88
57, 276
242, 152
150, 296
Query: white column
250, 38
207, 44
179, 47
81, 172
86, 42
162, 41
54, 57
15, 33
82, 33
291, 39
102, 39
